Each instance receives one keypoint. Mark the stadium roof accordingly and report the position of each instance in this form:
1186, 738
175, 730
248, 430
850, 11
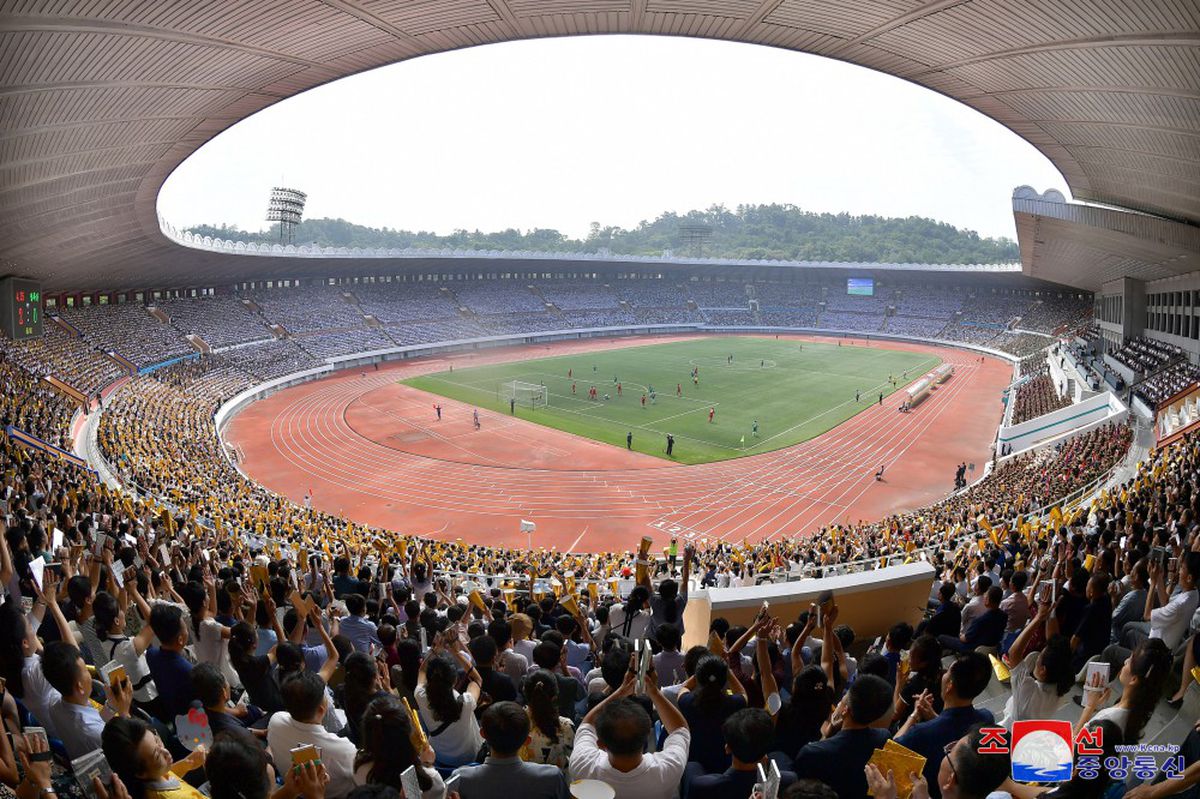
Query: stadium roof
100, 100
1087, 246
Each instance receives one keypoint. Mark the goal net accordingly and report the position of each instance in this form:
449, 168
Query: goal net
528, 395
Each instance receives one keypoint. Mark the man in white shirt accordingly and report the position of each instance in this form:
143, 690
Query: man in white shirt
78, 724
975, 608
300, 725
39, 696
1170, 621
608, 744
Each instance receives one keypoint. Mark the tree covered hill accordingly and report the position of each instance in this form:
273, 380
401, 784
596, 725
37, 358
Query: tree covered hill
782, 232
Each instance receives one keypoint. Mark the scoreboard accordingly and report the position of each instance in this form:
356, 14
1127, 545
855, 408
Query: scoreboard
21, 308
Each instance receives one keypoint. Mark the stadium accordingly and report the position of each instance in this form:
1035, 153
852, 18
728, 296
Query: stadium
829, 521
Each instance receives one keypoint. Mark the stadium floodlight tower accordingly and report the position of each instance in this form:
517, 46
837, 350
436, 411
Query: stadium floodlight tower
286, 208
694, 236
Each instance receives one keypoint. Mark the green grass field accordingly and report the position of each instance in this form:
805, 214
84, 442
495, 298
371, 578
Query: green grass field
795, 391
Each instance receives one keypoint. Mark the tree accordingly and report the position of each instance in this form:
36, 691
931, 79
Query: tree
774, 231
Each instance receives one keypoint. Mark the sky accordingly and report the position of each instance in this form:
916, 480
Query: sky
558, 133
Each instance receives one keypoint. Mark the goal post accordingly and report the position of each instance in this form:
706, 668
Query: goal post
527, 395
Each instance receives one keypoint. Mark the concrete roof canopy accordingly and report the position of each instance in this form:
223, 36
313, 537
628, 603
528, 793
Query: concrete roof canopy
100, 100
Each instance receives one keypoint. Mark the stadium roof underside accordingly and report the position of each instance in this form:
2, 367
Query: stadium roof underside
1086, 246
100, 100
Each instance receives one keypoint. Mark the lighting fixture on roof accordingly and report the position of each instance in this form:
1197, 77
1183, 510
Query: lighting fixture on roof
286, 207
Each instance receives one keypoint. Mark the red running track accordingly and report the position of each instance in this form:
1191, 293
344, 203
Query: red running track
371, 449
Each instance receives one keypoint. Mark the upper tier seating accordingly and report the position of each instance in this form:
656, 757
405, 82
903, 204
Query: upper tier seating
220, 321
129, 330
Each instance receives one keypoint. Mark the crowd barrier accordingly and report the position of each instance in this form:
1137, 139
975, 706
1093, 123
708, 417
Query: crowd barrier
122, 361
1051, 428
69, 390
145, 370
33, 442
870, 602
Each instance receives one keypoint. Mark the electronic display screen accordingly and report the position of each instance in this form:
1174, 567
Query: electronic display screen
21, 307
860, 287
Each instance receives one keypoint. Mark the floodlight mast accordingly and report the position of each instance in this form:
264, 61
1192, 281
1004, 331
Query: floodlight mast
694, 236
286, 207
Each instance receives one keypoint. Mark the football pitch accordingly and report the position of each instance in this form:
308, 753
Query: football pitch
794, 390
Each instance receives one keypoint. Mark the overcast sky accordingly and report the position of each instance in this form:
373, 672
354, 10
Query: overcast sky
559, 133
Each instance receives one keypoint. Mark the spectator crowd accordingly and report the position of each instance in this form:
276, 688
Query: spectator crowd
328, 665
1037, 396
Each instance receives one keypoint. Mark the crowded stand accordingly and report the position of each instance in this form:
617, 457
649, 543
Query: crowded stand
510, 323
499, 298
307, 308
789, 306
31, 405
401, 302
129, 330
220, 321
794, 296
728, 316
485, 669
1031, 364
344, 342
272, 359
652, 293
968, 334
612, 317
840, 301
667, 316
65, 356
451, 329
1022, 345
1054, 313
216, 376
849, 320
730, 295
385, 666
1090, 335
933, 303
1146, 355
422, 313
570, 295
1037, 397
803, 316
994, 310
917, 326
1167, 383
